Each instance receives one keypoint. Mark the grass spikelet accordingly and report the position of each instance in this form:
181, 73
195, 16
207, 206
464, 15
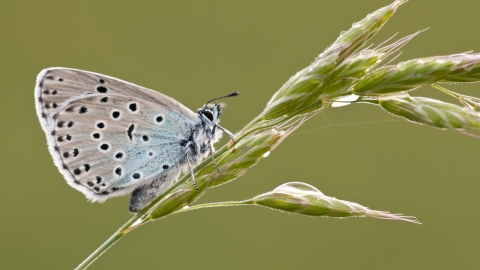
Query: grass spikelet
346, 72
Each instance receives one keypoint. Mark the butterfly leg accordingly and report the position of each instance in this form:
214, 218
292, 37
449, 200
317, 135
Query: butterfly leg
211, 154
229, 134
191, 173
144, 195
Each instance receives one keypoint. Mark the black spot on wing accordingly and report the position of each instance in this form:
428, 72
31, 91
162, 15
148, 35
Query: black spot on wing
133, 106
101, 89
118, 171
115, 114
130, 130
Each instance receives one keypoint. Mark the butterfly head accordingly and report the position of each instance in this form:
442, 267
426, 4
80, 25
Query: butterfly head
210, 116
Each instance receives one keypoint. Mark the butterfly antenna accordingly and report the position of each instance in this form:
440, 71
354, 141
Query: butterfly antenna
229, 95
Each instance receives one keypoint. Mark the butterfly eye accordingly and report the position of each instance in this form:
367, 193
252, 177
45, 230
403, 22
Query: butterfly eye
208, 114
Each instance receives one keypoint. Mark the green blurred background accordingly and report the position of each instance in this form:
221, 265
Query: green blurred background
196, 50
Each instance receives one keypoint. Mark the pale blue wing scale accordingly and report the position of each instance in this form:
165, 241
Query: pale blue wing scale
148, 163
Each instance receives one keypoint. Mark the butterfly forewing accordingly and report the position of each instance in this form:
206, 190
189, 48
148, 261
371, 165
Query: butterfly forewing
56, 86
108, 136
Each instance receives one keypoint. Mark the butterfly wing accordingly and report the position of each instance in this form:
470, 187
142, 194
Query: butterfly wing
108, 136
56, 86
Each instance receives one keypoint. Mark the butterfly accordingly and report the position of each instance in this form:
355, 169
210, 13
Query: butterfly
109, 137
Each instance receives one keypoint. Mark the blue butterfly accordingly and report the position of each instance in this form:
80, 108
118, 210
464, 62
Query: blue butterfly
109, 137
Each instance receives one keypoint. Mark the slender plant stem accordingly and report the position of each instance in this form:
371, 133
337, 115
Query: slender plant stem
126, 228
215, 204
107, 244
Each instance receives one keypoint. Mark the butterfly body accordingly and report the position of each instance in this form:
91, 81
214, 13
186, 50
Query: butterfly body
109, 137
